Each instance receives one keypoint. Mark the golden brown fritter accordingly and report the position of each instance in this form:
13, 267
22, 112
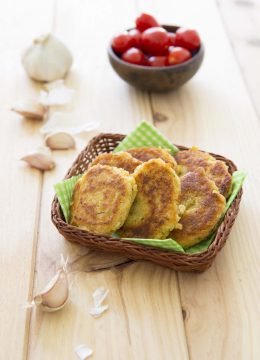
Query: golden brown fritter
120, 160
102, 199
216, 170
192, 159
204, 206
154, 212
147, 153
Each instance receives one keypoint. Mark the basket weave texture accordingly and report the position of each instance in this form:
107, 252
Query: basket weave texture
177, 261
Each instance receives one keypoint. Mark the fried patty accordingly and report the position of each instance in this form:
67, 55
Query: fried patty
192, 159
120, 160
218, 172
102, 199
147, 153
154, 212
204, 206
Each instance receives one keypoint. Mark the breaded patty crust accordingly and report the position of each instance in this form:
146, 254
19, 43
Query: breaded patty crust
154, 212
204, 206
120, 160
147, 153
102, 199
216, 170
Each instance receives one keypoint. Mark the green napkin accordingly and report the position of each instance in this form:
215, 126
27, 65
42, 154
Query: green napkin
146, 135
64, 192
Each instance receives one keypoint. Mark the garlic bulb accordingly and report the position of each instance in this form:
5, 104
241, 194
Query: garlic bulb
47, 59
30, 109
56, 293
59, 140
40, 158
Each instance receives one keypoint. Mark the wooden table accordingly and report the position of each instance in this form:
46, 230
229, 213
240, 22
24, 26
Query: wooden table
154, 313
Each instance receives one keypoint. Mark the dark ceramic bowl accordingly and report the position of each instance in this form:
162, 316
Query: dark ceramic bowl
157, 79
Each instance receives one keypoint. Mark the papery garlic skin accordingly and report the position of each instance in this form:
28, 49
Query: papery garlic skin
47, 59
60, 140
71, 122
83, 351
40, 158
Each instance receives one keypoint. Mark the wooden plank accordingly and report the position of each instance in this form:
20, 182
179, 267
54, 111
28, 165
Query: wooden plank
20, 186
144, 301
242, 22
214, 112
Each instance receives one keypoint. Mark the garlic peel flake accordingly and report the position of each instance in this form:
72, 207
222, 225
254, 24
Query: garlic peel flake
53, 85
83, 351
68, 122
97, 311
99, 295
47, 59
58, 96
40, 158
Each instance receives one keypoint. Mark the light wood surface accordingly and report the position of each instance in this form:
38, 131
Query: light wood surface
154, 313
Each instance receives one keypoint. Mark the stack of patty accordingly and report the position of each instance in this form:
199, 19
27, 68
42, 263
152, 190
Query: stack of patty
147, 193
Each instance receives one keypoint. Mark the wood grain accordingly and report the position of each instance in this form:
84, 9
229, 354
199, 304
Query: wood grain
100, 95
147, 303
214, 112
20, 186
242, 22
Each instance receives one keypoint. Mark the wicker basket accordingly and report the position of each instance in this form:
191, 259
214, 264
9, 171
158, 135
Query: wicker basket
177, 261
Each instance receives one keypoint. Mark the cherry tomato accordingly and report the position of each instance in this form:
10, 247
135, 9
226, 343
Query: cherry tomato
134, 56
158, 60
155, 41
121, 42
135, 38
189, 39
145, 21
178, 55
171, 39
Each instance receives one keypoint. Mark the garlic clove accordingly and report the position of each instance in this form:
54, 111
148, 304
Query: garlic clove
40, 158
30, 109
83, 351
47, 59
68, 122
55, 294
60, 140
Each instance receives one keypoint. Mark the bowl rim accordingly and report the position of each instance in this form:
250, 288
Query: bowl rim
154, 68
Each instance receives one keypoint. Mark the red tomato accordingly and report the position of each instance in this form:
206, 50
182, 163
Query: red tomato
121, 42
145, 21
134, 56
158, 60
178, 55
171, 39
155, 41
135, 38
187, 38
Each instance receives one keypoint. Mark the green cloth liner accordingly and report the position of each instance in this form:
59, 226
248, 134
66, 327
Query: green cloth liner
147, 135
